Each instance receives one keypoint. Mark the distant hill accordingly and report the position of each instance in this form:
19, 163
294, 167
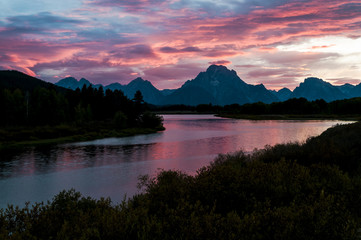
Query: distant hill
12, 79
115, 86
150, 93
282, 94
346, 88
166, 92
72, 83
355, 91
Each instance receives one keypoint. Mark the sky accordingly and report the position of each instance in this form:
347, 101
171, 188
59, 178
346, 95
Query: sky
276, 42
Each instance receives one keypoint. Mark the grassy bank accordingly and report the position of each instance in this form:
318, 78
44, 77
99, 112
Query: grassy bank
289, 191
291, 117
20, 137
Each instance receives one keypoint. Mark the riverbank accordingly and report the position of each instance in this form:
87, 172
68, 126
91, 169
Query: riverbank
23, 137
291, 117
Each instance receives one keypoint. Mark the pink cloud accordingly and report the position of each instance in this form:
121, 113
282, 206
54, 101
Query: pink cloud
171, 76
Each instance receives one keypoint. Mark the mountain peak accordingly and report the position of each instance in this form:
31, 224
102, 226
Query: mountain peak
214, 67
314, 80
219, 69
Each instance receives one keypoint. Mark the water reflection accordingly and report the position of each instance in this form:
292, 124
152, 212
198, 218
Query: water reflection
110, 167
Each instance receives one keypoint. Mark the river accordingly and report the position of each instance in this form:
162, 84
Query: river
110, 167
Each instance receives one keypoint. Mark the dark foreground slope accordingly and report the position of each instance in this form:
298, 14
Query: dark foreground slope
293, 191
11, 79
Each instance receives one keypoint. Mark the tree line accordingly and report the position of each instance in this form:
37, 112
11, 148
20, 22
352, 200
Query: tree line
297, 106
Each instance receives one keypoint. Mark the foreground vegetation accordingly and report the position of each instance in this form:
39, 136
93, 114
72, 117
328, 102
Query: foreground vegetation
289, 191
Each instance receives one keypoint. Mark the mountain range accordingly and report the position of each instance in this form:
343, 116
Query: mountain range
220, 86
217, 85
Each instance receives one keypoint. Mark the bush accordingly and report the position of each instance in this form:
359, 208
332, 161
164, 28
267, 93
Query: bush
151, 120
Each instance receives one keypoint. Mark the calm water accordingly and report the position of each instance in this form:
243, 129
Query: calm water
110, 167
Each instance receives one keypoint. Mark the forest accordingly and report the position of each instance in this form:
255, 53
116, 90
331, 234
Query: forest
309, 190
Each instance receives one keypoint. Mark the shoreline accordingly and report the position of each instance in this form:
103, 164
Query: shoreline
88, 136
291, 117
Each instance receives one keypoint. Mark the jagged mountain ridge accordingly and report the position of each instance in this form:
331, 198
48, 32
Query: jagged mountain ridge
150, 93
314, 88
221, 86
73, 84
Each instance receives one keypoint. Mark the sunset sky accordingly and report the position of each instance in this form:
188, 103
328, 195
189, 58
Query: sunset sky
275, 42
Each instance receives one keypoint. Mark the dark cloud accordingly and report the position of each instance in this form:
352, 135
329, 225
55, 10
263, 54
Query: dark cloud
130, 5
45, 24
134, 52
180, 50
354, 36
43, 19
203, 8
220, 62
220, 53
347, 11
226, 8
216, 51
191, 49
6, 58
73, 64
169, 50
